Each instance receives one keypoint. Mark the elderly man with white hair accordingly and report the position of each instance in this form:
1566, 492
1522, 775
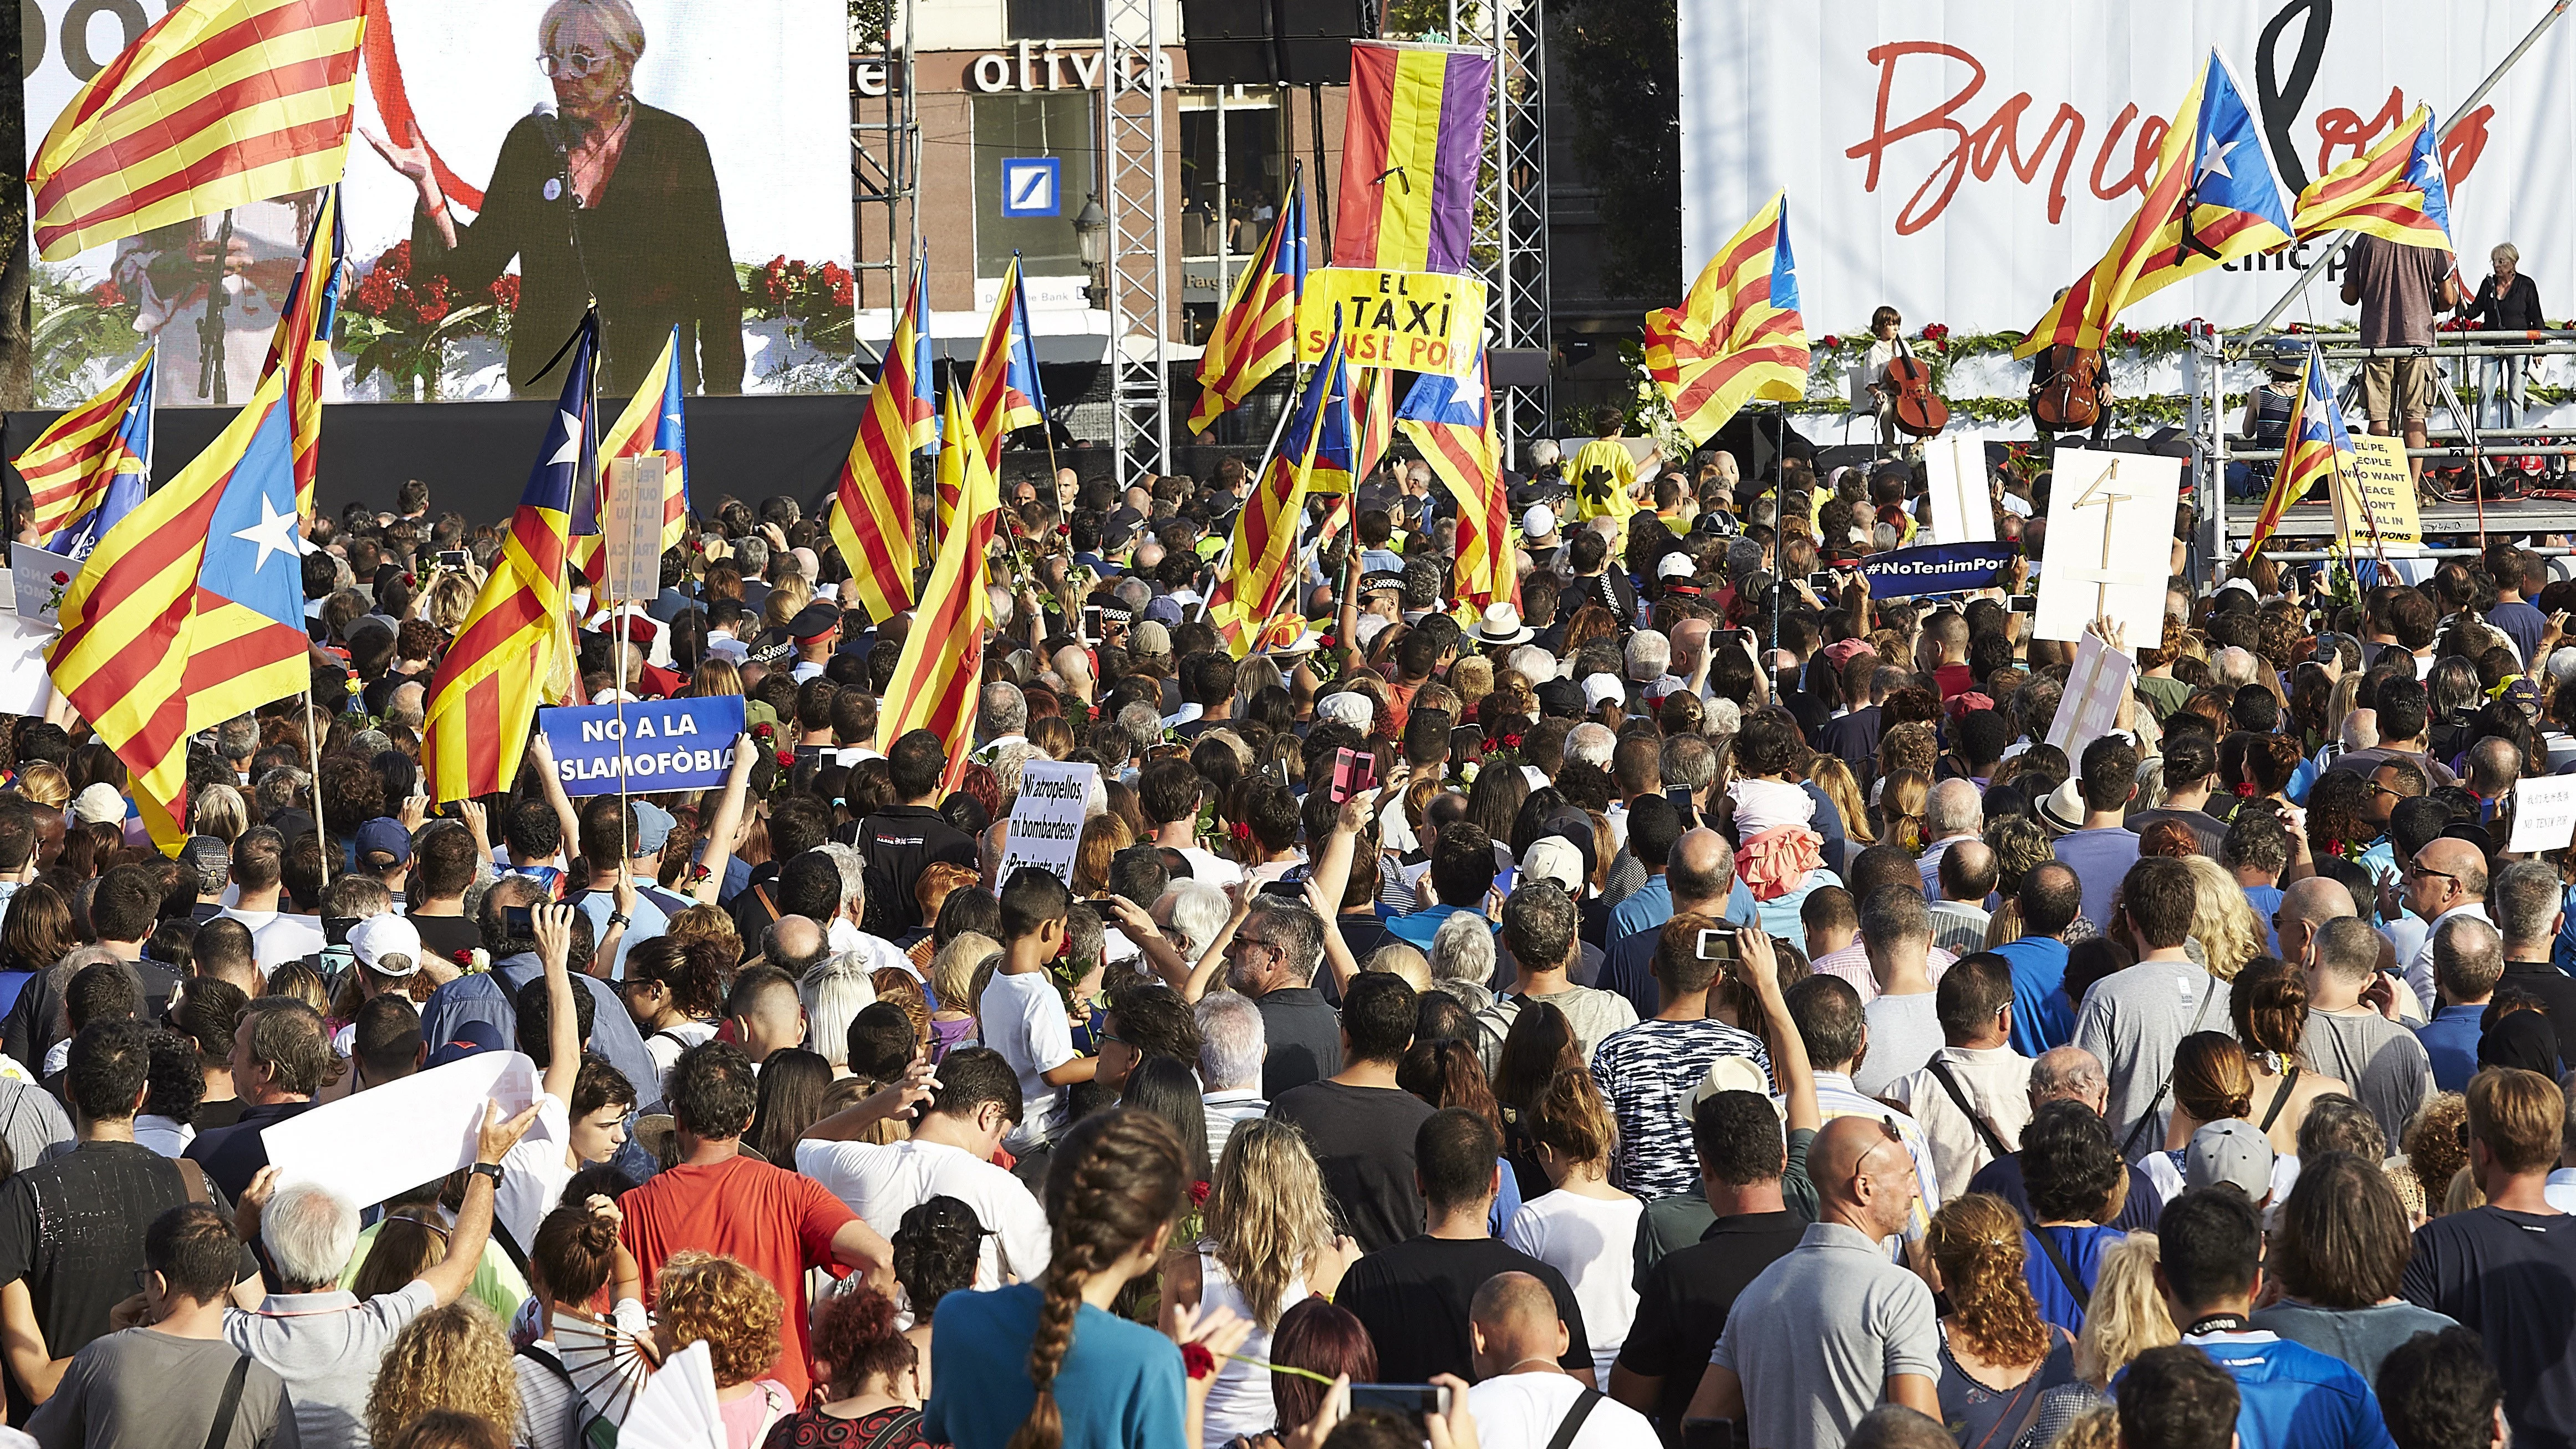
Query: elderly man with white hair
1954, 812
1538, 666
1232, 1045
2236, 667
1592, 743
1462, 959
1542, 453
323, 1341
1649, 658
1001, 718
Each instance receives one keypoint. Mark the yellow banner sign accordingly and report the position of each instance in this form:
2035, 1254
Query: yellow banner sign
1415, 321
2377, 498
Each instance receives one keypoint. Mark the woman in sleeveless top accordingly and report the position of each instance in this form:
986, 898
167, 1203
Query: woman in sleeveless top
1269, 1244
2268, 1004
1998, 1357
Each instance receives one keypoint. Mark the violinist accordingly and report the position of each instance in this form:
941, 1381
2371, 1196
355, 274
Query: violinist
1869, 388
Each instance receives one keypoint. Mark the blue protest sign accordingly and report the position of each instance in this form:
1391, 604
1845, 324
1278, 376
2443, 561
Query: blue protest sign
1936, 568
675, 744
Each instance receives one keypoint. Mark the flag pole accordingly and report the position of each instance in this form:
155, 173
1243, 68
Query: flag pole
313, 753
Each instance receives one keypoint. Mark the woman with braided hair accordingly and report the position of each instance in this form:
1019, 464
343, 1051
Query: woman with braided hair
1046, 1365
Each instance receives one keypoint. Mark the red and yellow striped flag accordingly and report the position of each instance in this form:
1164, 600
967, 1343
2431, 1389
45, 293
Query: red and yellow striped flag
1738, 335
872, 521
1373, 418
1313, 454
218, 103
303, 341
2395, 190
72, 465
191, 610
1257, 336
652, 423
1452, 422
515, 651
1002, 394
940, 673
2317, 448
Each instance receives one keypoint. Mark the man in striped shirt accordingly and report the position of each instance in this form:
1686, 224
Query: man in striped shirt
1646, 1072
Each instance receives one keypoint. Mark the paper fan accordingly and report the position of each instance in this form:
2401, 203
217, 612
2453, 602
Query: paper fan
608, 1364
677, 1409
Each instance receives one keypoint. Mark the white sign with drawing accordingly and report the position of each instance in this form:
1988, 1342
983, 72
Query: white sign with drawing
1954, 468
2544, 814
2110, 527
1046, 818
2090, 707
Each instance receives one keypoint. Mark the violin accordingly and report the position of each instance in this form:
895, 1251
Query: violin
2071, 399
1920, 413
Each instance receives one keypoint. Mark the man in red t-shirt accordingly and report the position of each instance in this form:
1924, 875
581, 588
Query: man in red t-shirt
773, 1221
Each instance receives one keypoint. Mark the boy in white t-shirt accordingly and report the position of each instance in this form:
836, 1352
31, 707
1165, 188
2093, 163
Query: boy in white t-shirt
1023, 1010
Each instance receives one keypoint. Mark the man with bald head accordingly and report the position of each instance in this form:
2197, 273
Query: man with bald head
2069, 1074
2051, 900
1829, 1332
2348, 1036
1701, 874
2306, 905
1966, 878
2446, 880
1522, 1399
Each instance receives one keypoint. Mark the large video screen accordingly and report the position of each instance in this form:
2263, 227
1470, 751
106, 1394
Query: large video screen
685, 162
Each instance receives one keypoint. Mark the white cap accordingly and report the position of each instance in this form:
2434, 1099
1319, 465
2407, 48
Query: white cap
1675, 566
377, 937
1539, 522
1348, 707
99, 804
1553, 857
1601, 689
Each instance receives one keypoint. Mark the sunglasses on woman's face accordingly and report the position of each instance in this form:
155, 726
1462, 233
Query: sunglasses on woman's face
571, 64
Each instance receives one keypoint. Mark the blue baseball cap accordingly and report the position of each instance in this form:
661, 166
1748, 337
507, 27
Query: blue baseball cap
384, 835
470, 1038
653, 826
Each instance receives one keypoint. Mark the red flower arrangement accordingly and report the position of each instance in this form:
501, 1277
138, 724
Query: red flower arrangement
1198, 1359
1199, 1194
61, 578
1938, 334
107, 294
1829, 342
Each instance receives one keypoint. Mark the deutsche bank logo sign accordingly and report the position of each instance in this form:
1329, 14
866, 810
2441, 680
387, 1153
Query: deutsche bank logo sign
1032, 186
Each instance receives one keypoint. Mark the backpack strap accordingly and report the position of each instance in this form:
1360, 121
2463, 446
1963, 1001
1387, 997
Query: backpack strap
195, 1179
2162, 1087
904, 1421
222, 1429
1572, 1423
1958, 1098
2280, 1098
2066, 1274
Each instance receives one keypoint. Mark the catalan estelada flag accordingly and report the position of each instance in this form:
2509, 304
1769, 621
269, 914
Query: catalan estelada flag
2215, 198
1415, 138
2318, 448
1452, 422
1313, 454
2395, 190
1738, 335
218, 103
1257, 335
92, 466
941, 670
191, 609
515, 651
652, 423
872, 517
1002, 395
302, 345
1373, 420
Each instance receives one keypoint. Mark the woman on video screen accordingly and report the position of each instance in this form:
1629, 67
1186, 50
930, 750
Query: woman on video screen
606, 197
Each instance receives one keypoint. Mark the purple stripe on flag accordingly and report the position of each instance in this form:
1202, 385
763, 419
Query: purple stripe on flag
1463, 97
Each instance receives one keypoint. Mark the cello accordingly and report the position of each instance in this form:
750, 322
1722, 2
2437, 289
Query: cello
2071, 399
1918, 410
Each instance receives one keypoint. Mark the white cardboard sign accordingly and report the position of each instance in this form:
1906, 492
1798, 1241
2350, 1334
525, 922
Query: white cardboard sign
2094, 689
1955, 469
1046, 818
370, 1146
2110, 526
25, 685
2544, 814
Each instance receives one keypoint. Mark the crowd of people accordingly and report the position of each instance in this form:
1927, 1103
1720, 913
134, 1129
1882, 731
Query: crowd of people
1685, 1002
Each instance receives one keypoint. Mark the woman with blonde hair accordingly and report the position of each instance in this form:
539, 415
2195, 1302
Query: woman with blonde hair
737, 1312
2125, 1318
711, 924
1834, 777
1903, 798
1268, 1245
449, 600
2431, 1151
218, 810
453, 1357
715, 677
2268, 1005
952, 978
2221, 918
1998, 1356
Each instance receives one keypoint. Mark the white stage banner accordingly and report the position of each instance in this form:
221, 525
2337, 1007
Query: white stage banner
1961, 161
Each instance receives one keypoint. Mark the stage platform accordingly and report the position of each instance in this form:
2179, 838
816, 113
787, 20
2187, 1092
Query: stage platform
2441, 520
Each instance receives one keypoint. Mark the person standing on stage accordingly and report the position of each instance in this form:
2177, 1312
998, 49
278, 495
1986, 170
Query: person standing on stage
2398, 289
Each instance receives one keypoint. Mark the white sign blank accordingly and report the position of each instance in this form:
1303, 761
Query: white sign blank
1955, 469
370, 1146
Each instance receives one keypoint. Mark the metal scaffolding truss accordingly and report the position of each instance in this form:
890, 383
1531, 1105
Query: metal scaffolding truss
1519, 306
885, 159
1131, 45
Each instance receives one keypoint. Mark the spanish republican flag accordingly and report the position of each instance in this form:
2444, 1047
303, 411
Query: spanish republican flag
2215, 198
2318, 448
93, 465
652, 423
2395, 191
1738, 335
1314, 454
516, 650
1452, 422
1002, 395
302, 345
941, 670
1258, 333
219, 102
1415, 138
873, 522
191, 610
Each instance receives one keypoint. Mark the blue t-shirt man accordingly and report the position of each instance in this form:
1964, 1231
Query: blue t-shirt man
2042, 1017
2289, 1396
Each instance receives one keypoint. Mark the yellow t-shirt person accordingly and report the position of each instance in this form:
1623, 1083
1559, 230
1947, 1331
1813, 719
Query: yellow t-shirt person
1601, 475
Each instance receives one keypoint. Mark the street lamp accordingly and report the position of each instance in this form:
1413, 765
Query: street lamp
1091, 233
